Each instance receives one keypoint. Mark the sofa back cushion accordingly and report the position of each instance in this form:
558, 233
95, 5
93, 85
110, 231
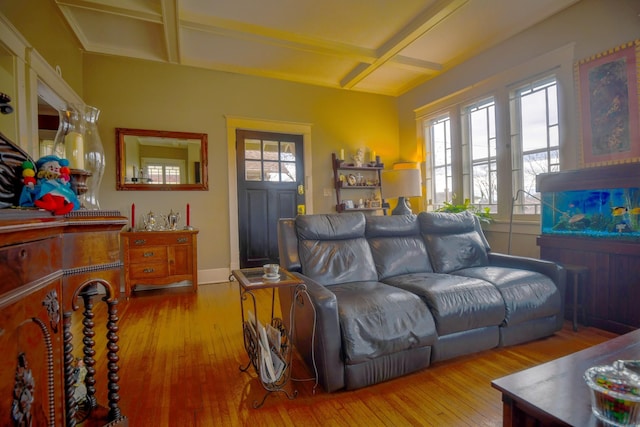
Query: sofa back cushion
454, 240
333, 248
397, 245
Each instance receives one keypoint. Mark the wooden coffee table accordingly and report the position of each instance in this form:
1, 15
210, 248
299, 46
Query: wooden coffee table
555, 392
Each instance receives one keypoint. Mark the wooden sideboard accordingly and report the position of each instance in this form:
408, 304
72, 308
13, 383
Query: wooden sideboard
159, 258
49, 265
612, 291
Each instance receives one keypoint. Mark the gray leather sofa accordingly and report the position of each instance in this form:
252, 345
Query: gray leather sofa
388, 295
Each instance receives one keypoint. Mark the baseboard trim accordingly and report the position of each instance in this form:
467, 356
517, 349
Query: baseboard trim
216, 275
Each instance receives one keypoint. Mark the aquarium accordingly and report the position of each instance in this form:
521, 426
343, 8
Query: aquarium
607, 213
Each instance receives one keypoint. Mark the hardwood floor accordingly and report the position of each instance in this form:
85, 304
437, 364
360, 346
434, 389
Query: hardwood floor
180, 355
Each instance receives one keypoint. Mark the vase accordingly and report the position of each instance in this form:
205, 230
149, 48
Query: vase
94, 161
69, 141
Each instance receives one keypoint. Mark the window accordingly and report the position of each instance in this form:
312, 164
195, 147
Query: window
440, 181
479, 151
163, 171
534, 139
464, 143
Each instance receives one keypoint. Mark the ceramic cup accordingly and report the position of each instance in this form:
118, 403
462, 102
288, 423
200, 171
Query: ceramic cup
271, 269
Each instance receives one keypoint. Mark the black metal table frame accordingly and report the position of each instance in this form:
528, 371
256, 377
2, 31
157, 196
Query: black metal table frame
250, 280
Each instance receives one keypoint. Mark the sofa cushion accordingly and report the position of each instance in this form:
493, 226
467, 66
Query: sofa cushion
397, 245
456, 303
333, 249
527, 294
378, 319
454, 240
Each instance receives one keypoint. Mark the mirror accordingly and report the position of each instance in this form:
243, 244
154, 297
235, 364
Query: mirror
161, 160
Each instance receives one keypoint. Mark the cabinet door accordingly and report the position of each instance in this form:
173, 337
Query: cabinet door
624, 289
181, 259
31, 390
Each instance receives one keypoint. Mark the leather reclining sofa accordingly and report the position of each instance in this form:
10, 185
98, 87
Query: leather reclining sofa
389, 295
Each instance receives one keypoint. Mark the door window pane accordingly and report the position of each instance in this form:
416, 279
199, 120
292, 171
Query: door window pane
288, 151
252, 170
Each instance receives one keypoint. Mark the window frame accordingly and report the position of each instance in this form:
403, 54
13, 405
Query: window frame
469, 88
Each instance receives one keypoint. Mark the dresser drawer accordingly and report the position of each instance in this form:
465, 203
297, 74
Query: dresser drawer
147, 254
26, 262
149, 270
168, 238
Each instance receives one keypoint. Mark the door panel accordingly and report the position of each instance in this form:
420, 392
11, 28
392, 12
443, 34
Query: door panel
270, 169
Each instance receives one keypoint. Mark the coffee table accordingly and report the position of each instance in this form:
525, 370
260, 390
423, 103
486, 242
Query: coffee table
555, 392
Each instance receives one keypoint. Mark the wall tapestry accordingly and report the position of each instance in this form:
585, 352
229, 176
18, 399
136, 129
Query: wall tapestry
608, 90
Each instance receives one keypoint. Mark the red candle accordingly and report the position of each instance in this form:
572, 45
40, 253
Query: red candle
188, 215
133, 216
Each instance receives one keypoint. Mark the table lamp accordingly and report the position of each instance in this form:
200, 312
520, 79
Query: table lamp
401, 183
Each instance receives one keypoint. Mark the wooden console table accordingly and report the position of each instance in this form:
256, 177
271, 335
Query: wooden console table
555, 393
47, 265
159, 258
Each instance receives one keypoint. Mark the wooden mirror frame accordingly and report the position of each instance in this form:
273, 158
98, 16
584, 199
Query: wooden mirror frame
121, 161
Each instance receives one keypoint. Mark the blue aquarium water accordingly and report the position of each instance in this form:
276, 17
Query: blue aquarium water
602, 213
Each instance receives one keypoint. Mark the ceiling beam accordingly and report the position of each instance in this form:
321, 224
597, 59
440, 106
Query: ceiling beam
170, 27
151, 15
424, 22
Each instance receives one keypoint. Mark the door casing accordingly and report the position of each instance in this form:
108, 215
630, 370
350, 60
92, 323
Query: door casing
234, 123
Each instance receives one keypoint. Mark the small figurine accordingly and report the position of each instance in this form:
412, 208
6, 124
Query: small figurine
49, 188
358, 158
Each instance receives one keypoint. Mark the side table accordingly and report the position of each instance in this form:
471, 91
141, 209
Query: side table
269, 347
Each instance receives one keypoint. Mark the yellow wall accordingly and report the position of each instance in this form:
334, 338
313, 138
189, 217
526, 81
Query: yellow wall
149, 95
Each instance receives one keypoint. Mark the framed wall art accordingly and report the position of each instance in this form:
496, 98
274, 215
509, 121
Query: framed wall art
610, 119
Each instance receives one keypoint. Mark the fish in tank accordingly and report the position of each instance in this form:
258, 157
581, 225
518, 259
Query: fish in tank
599, 213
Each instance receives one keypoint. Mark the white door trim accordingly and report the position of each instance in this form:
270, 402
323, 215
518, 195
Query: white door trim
236, 122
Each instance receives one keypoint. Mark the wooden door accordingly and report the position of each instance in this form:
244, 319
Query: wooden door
270, 187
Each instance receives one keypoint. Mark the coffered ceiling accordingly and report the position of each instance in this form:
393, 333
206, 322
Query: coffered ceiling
378, 46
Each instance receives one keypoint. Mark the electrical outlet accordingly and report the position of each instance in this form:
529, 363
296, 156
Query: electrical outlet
327, 192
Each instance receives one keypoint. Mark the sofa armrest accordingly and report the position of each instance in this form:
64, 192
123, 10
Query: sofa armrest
549, 268
317, 307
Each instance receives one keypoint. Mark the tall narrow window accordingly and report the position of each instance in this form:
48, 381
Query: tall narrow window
534, 139
480, 151
440, 179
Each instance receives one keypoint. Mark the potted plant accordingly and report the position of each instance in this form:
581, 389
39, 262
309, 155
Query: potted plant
483, 214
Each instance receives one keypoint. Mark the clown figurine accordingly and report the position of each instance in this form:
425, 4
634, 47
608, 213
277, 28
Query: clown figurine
49, 188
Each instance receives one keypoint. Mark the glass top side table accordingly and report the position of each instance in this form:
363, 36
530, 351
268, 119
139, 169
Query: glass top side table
269, 347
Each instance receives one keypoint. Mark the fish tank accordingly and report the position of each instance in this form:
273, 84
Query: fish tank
599, 203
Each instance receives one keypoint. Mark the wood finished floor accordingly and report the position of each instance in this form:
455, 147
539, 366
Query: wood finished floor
180, 355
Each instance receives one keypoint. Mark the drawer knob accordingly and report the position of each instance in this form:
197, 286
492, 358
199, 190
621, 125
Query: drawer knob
23, 254
182, 239
147, 254
148, 270
140, 241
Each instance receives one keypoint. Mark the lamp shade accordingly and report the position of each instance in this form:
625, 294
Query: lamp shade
400, 183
